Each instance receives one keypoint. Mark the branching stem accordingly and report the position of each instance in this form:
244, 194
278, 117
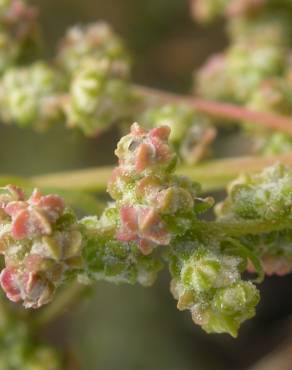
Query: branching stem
219, 109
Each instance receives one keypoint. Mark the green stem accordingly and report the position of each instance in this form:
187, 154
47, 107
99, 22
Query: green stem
238, 229
213, 175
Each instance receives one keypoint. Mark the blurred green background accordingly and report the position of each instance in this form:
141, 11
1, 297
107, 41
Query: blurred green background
124, 327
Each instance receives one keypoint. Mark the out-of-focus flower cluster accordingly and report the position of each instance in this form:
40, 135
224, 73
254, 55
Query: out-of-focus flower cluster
41, 243
254, 70
208, 282
29, 96
191, 133
18, 31
99, 68
88, 87
265, 197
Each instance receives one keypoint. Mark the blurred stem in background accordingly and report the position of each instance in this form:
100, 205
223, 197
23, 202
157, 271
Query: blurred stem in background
212, 175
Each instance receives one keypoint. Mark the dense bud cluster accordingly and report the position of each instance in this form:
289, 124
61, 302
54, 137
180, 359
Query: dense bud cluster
208, 283
29, 96
266, 197
191, 134
41, 243
96, 41
154, 205
254, 69
99, 95
234, 75
98, 66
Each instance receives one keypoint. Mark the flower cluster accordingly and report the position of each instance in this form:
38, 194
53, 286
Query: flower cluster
265, 197
191, 134
96, 41
99, 95
98, 66
88, 87
29, 95
254, 70
153, 205
207, 282
41, 243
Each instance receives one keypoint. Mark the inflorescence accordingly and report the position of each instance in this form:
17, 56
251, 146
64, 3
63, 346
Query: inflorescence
154, 218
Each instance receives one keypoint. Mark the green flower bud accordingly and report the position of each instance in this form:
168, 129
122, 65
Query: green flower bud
28, 96
213, 80
96, 41
206, 270
264, 196
98, 97
231, 306
274, 96
267, 28
249, 64
208, 283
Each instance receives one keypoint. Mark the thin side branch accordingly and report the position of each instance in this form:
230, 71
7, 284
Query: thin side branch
213, 175
220, 110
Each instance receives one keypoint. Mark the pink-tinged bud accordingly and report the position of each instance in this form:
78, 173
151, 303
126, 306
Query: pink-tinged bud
144, 156
144, 151
143, 225
10, 193
30, 222
37, 254
8, 281
13, 208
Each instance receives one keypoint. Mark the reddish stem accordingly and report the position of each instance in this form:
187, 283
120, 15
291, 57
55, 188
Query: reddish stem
220, 110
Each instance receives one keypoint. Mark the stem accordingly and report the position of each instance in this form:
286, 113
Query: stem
237, 229
213, 175
60, 304
220, 110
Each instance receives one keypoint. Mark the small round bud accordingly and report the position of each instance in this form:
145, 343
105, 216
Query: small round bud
99, 96
28, 96
96, 41
263, 196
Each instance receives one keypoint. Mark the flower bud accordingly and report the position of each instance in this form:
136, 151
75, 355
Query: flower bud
28, 96
98, 96
264, 196
208, 283
96, 41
